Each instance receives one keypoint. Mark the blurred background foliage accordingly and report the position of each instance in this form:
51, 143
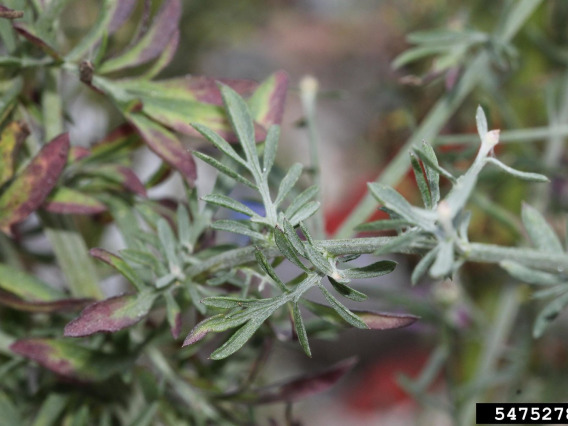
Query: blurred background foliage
366, 112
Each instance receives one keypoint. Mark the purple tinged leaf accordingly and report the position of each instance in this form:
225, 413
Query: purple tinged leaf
373, 320
70, 360
121, 13
385, 321
111, 315
201, 330
69, 201
124, 137
10, 141
152, 43
165, 58
30, 188
28, 34
302, 387
25, 292
77, 153
121, 175
61, 305
267, 102
177, 102
166, 145
119, 264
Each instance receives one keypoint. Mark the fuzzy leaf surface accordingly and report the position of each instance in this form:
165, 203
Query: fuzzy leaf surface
111, 315
29, 189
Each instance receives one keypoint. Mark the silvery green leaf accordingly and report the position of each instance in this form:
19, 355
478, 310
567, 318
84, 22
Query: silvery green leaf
287, 249
531, 276
394, 201
347, 291
305, 212
384, 224
320, 262
398, 243
288, 182
292, 236
266, 267
168, 241
341, 310
228, 203
241, 120
238, 339
422, 266
237, 228
142, 258
184, 227
307, 234
165, 280
462, 226
173, 314
461, 191
219, 142
421, 181
432, 175
531, 177
270, 147
548, 314
301, 329
432, 162
481, 121
228, 302
540, 232
549, 292
227, 171
444, 262
373, 270
301, 200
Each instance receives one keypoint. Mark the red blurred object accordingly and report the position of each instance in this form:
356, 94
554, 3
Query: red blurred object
378, 388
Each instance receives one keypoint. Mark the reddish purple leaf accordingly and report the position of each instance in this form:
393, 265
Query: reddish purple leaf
165, 58
166, 145
129, 180
205, 89
386, 321
111, 315
121, 13
374, 320
119, 264
302, 387
69, 201
70, 360
153, 43
124, 137
77, 153
28, 34
30, 188
267, 102
62, 305
26, 292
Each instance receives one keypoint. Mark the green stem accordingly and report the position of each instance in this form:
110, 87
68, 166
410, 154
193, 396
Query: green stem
473, 252
501, 327
507, 136
440, 113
